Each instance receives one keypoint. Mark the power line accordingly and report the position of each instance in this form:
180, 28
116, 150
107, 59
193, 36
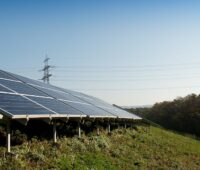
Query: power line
134, 80
77, 76
113, 68
129, 66
141, 89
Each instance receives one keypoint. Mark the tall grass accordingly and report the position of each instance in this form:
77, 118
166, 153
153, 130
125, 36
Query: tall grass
141, 148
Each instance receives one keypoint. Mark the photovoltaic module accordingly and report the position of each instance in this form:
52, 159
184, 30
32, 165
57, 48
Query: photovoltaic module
22, 97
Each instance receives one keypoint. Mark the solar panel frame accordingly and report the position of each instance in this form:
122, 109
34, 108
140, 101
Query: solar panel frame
15, 105
116, 109
90, 110
3, 89
5, 75
85, 104
57, 93
21, 88
58, 107
120, 113
26, 80
75, 102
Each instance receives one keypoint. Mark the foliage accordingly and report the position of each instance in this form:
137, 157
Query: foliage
182, 114
139, 148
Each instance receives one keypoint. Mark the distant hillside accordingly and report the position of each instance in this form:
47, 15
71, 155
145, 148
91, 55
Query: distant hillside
141, 148
137, 106
181, 114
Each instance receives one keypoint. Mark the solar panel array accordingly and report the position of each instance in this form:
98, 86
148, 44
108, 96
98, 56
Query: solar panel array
22, 97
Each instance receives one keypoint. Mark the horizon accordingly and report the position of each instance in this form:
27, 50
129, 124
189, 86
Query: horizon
124, 52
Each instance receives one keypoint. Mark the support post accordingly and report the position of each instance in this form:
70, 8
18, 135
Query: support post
54, 133
125, 125
98, 133
79, 130
108, 127
118, 125
8, 143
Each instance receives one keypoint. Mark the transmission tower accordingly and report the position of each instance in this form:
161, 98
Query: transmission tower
46, 70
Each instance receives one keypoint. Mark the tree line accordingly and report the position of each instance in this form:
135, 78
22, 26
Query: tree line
181, 114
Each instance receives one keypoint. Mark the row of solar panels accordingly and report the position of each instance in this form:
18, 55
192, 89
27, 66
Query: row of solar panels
22, 97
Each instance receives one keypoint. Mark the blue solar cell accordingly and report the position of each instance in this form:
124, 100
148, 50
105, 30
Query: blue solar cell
34, 82
21, 88
3, 89
56, 106
103, 105
90, 110
70, 99
85, 104
75, 102
48, 89
4, 75
59, 94
17, 105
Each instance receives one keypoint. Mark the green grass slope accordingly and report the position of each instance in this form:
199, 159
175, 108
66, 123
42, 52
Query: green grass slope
141, 148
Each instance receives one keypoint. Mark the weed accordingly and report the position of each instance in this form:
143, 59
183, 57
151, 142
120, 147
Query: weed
125, 149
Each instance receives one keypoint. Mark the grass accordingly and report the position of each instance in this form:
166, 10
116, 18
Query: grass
142, 148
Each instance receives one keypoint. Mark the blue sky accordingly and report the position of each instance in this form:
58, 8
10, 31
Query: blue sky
124, 51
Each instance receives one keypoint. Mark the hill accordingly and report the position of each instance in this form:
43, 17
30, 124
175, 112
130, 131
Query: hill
140, 148
182, 114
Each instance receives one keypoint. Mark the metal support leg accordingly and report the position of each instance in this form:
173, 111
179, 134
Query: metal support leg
125, 125
108, 127
98, 133
54, 132
8, 137
79, 130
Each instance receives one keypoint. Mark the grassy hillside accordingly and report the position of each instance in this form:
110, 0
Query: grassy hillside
141, 148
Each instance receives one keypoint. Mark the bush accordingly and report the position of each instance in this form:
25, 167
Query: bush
18, 138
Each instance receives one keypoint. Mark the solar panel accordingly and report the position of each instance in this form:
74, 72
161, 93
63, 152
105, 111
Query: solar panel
75, 102
24, 96
103, 105
57, 106
67, 98
110, 108
21, 88
4, 75
13, 105
3, 89
33, 82
58, 94
90, 110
